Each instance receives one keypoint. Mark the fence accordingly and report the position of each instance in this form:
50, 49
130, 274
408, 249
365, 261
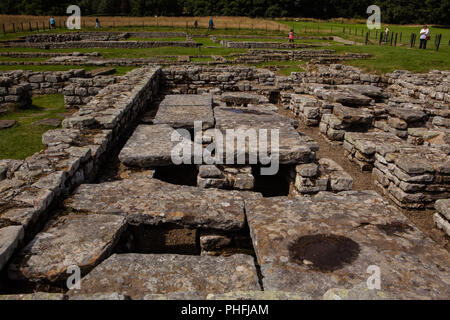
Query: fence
11, 24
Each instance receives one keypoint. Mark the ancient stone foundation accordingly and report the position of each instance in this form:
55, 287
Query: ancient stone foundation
215, 226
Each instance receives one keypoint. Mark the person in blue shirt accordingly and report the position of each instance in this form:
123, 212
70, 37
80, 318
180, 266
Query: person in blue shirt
52, 22
211, 24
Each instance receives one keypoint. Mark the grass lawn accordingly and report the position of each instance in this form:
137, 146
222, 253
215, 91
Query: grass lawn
119, 70
25, 138
199, 31
387, 59
140, 52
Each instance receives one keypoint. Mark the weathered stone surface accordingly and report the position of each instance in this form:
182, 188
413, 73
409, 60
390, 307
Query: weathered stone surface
352, 116
442, 223
185, 116
307, 170
347, 98
154, 202
75, 239
151, 145
338, 178
315, 244
187, 100
292, 148
177, 115
137, 275
39, 296
359, 292
10, 238
209, 171
443, 207
99, 296
367, 90
6, 124
260, 295
407, 114
242, 98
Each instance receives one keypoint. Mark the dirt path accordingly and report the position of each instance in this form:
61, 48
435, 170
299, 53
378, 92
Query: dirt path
347, 42
423, 219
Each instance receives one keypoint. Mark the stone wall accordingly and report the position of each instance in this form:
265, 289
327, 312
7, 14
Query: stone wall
72, 155
264, 45
47, 82
99, 36
81, 90
11, 93
191, 78
103, 44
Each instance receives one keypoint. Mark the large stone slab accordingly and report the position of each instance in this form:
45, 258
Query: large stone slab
292, 147
187, 100
328, 241
140, 275
345, 97
353, 116
181, 111
151, 146
10, 238
242, 98
185, 116
75, 239
366, 90
154, 202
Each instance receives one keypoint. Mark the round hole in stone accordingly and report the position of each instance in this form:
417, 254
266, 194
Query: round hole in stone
322, 252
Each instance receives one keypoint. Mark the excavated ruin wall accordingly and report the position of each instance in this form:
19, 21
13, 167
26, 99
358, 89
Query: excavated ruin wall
104, 44
100, 36
191, 78
74, 154
264, 45
48, 82
81, 90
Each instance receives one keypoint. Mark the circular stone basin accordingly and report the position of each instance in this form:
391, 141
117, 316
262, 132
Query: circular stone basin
325, 253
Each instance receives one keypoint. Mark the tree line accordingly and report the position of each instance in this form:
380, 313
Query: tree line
393, 11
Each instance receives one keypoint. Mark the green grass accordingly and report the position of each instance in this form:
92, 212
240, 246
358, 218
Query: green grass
25, 139
199, 31
387, 59
139, 53
156, 39
201, 59
14, 59
119, 70
334, 28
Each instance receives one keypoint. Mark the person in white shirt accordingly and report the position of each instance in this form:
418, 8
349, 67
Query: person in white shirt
424, 36
386, 34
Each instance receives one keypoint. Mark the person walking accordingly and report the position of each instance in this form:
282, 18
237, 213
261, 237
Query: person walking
195, 24
291, 36
52, 23
97, 23
211, 24
386, 34
424, 37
